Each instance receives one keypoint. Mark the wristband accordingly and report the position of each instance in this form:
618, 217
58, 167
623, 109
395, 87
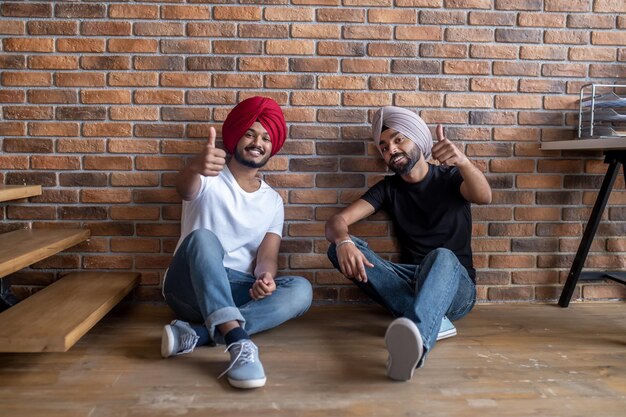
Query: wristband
343, 242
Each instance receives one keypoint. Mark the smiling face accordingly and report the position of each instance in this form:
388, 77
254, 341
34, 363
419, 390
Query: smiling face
254, 148
399, 152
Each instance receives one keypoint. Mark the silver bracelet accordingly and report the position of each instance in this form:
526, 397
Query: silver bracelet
343, 242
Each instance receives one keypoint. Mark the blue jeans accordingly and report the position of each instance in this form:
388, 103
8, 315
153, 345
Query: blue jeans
423, 293
201, 290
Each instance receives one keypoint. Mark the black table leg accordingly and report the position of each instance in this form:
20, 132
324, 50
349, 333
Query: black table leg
590, 230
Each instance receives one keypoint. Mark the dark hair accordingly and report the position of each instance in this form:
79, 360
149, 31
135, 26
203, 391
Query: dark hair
384, 128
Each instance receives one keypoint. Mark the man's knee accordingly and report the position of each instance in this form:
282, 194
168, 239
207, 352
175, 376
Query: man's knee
203, 238
300, 294
444, 255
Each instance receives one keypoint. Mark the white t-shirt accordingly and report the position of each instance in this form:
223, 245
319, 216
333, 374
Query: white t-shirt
238, 218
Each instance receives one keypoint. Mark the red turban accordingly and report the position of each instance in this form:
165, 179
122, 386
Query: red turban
262, 109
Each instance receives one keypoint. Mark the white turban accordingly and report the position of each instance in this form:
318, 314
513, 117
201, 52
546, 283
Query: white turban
406, 122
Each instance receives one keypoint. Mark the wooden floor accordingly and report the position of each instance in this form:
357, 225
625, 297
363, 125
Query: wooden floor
508, 360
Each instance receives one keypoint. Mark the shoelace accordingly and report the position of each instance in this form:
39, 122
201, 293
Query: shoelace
187, 342
244, 356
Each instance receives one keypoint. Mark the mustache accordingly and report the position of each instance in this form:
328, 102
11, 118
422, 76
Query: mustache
398, 156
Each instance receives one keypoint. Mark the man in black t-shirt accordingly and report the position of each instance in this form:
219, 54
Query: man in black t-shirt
430, 209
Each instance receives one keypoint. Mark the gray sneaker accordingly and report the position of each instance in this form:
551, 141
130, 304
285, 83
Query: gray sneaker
178, 338
245, 369
405, 346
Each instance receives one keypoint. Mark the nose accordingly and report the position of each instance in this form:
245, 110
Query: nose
258, 139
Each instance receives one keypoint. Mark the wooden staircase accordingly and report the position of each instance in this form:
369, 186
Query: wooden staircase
54, 318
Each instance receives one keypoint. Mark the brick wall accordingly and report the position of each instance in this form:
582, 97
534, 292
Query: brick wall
101, 102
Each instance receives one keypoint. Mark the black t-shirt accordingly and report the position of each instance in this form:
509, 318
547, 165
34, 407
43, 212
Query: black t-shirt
427, 215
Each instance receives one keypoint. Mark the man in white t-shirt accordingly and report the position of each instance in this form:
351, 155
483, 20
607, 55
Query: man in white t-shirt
222, 280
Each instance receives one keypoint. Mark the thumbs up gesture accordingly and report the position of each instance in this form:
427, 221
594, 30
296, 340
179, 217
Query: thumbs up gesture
210, 161
446, 152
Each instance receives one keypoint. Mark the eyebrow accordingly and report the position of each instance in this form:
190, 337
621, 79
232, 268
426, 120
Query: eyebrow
257, 132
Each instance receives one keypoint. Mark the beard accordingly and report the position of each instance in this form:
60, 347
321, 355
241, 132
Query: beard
249, 163
412, 158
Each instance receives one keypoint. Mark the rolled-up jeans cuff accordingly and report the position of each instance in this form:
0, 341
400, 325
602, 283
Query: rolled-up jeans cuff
221, 316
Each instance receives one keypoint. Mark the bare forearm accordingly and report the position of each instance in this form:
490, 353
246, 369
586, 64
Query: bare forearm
188, 182
337, 229
476, 188
266, 266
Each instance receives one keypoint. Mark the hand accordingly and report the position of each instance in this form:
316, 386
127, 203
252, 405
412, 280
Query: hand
352, 262
263, 287
446, 152
211, 160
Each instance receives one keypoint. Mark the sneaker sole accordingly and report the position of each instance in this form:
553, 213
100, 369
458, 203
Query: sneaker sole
167, 342
248, 384
405, 347
446, 334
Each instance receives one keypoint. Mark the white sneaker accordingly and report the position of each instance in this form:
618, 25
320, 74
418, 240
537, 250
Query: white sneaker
245, 369
405, 346
178, 338
446, 330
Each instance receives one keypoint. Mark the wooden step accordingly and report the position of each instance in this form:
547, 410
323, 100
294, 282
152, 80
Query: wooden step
15, 192
21, 248
53, 319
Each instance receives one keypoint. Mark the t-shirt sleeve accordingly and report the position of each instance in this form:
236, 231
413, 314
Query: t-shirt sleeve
204, 184
376, 195
456, 180
279, 218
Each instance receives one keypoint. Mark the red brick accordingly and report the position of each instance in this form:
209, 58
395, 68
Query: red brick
55, 162
250, 13
21, 9
391, 16
105, 196
134, 113
133, 146
158, 29
134, 213
53, 129
617, 38
133, 11
592, 54
443, 84
105, 96
194, 12
28, 44
12, 129
493, 18
105, 28
361, 66
13, 162
135, 79
340, 15
371, 32
212, 29
108, 163
72, 79
367, 99
135, 245
468, 100
288, 14
44, 27
440, 50
400, 49
516, 68
237, 81
561, 37
133, 45
105, 62
494, 51
566, 5
420, 100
